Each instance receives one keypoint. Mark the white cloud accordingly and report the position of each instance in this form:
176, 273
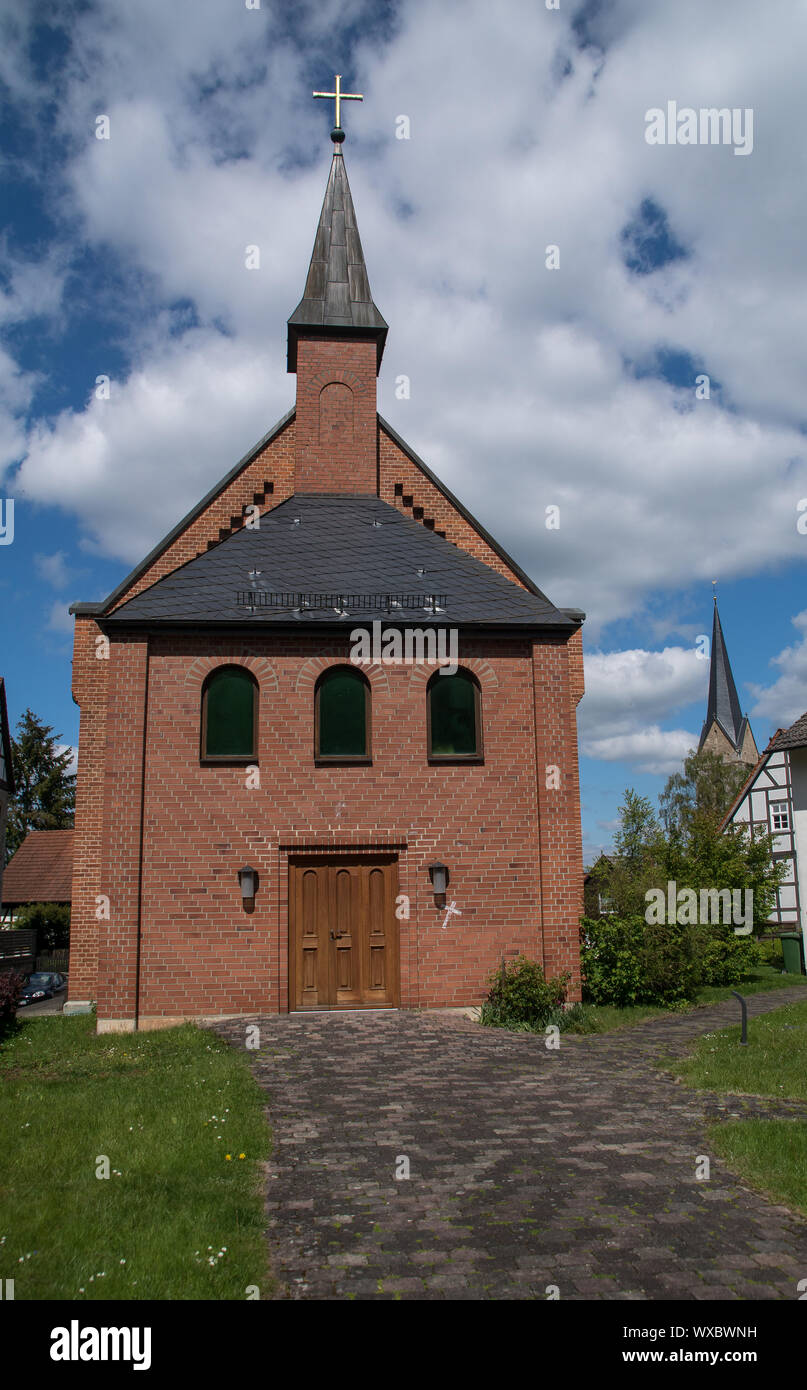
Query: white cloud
16, 390
53, 569
34, 288
648, 750
626, 687
132, 465
517, 372
627, 694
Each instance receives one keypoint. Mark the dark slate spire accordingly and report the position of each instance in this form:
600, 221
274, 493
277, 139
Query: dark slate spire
337, 294
724, 706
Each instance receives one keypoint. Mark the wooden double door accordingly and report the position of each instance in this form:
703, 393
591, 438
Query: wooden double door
343, 948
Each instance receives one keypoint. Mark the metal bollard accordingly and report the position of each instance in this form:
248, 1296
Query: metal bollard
744, 1022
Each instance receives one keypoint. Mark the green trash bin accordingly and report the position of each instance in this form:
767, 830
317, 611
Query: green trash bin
793, 952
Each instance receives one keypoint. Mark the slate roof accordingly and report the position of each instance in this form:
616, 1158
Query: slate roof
349, 545
337, 291
724, 705
794, 737
41, 871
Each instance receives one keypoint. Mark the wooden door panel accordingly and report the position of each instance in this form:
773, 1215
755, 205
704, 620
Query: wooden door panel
376, 934
345, 938
311, 917
343, 933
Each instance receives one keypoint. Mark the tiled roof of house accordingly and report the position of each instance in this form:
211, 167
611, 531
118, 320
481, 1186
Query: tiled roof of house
41, 871
334, 544
795, 736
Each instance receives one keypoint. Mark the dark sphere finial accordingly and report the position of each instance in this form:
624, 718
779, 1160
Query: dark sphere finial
337, 135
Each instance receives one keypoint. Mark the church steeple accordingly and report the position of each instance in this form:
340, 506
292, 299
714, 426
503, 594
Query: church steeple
337, 292
726, 729
336, 339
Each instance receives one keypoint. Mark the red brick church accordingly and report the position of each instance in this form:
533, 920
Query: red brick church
284, 800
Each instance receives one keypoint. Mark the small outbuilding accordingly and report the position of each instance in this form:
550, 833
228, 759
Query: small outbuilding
41, 871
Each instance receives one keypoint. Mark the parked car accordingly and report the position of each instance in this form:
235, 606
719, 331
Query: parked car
41, 985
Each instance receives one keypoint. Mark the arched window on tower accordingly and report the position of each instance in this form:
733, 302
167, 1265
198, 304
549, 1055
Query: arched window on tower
342, 716
454, 717
229, 715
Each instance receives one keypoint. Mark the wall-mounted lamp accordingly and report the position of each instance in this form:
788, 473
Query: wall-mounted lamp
248, 881
438, 873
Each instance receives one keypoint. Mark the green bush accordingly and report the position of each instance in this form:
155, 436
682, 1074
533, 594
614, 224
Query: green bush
609, 956
50, 920
670, 963
522, 1000
770, 953
11, 983
626, 961
727, 959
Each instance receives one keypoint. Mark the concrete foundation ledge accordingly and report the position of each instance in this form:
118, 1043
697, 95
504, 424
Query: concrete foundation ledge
150, 1022
77, 1006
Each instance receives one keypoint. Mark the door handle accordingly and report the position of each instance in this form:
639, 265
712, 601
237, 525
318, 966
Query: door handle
336, 935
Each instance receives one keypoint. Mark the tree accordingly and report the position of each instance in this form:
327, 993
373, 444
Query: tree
700, 854
46, 791
705, 789
637, 839
639, 855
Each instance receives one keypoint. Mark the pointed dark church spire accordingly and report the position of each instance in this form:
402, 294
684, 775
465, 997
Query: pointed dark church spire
723, 714
337, 296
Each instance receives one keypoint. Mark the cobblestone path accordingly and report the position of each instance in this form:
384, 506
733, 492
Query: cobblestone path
528, 1167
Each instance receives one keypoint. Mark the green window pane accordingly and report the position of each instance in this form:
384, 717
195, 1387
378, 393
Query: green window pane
453, 715
230, 715
342, 715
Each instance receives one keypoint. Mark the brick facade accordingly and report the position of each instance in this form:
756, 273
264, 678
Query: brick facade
512, 842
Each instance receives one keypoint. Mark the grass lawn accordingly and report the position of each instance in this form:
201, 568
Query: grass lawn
176, 1219
773, 1064
606, 1018
770, 1155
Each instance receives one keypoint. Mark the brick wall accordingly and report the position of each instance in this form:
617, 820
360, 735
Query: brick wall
201, 953
127, 731
557, 776
90, 673
576, 673
336, 423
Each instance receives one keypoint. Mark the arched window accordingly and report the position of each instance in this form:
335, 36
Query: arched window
454, 716
229, 715
342, 715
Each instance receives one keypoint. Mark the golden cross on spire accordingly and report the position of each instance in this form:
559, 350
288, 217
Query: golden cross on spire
340, 96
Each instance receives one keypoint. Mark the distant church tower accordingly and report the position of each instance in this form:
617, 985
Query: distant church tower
725, 731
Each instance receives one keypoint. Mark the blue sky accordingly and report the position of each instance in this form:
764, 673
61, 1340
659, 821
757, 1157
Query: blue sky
125, 258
